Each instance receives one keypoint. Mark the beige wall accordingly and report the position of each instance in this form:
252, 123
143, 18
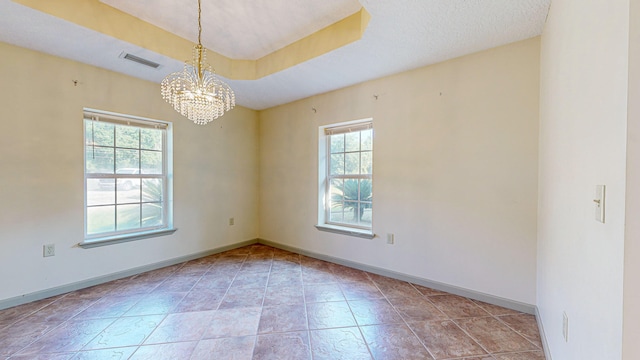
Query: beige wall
41, 180
631, 322
455, 171
583, 121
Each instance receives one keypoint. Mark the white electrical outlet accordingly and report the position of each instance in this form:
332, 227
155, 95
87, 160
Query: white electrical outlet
390, 239
565, 326
232, 221
48, 250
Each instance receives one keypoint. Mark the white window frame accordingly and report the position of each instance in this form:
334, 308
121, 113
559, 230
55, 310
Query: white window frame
324, 179
117, 236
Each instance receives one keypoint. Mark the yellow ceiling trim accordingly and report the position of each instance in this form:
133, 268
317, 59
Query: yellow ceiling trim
94, 15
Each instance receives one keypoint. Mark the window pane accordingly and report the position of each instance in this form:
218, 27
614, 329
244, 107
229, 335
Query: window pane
367, 214
336, 212
151, 190
351, 189
97, 195
336, 188
127, 161
366, 193
351, 212
128, 190
337, 143
101, 219
366, 140
151, 215
99, 160
128, 217
151, 162
127, 137
337, 164
352, 141
352, 163
88, 132
151, 139
102, 132
366, 162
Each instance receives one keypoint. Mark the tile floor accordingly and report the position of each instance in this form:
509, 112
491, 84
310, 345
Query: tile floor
258, 302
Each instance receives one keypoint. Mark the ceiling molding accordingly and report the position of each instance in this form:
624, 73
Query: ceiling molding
97, 16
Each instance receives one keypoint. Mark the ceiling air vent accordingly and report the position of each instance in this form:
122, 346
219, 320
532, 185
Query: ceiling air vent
140, 60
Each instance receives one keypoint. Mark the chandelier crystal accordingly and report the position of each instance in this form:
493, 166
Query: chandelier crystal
196, 92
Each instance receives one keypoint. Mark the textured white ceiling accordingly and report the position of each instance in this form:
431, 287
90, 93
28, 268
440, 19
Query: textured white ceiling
402, 35
240, 29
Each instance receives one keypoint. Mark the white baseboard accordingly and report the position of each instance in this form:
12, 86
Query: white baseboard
58, 290
495, 300
543, 336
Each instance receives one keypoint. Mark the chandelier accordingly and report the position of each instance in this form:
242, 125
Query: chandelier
196, 92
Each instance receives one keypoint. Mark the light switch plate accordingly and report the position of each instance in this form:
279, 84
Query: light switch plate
599, 202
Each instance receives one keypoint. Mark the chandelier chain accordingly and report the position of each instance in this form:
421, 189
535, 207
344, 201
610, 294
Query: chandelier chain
199, 23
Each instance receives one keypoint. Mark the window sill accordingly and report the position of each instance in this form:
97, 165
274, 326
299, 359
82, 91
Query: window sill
366, 234
110, 240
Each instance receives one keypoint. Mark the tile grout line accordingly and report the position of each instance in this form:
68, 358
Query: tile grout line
358, 326
516, 331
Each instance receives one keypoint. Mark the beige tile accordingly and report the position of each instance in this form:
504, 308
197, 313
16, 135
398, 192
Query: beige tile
61, 309
323, 292
282, 318
242, 298
524, 325
532, 355
329, 315
171, 351
13, 314
494, 336
311, 276
120, 353
427, 291
338, 344
180, 327
70, 336
283, 295
109, 306
373, 312
495, 309
360, 290
416, 309
214, 281
457, 307
201, 300
230, 348
156, 303
233, 322
22, 334
178, 283
347, 274
125, 331
293, 345
395, 341
444, 339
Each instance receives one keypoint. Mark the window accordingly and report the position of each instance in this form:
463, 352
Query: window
346, 168
127, 176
